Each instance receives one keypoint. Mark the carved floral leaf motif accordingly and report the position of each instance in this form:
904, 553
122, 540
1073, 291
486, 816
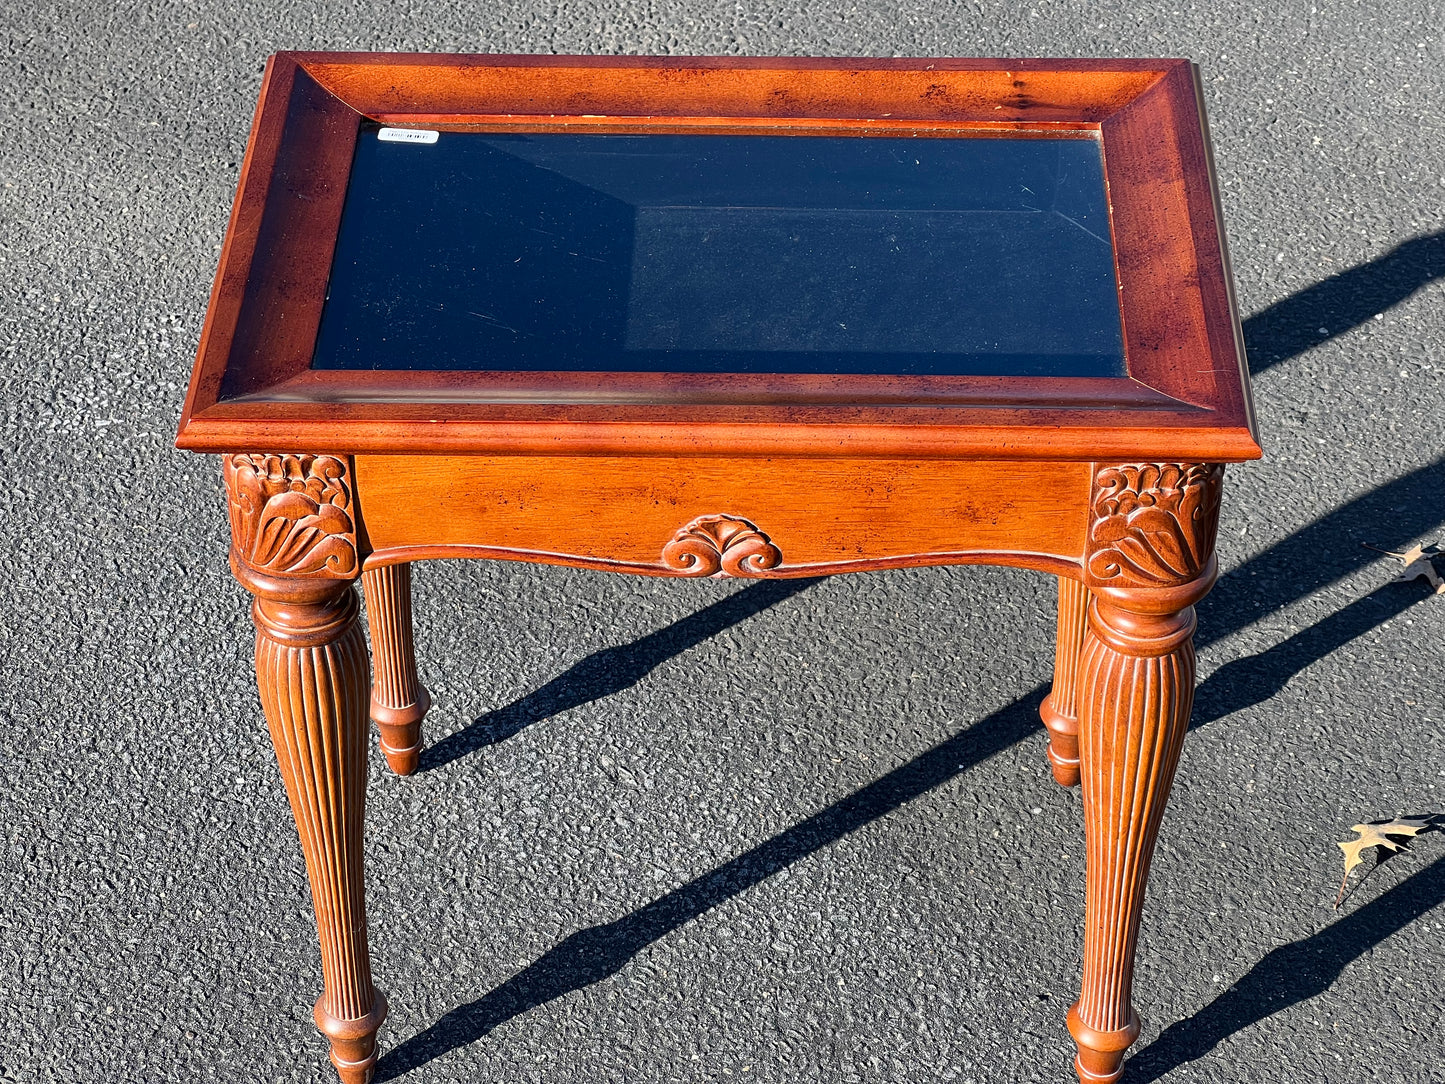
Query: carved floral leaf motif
721, 546
1153, 523
291, 514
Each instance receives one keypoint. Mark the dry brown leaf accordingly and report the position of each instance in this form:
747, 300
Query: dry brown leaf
1419, 560
1378, 835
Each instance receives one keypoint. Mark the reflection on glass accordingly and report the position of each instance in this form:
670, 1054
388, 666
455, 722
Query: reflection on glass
732, 254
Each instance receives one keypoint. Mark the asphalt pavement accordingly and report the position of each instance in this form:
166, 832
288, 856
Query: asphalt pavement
677, 831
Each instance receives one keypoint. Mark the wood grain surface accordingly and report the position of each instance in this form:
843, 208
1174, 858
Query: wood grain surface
399, 701
1060, 709
826, 515
1186, 394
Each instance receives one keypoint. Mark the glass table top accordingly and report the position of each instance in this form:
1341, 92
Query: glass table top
918, 255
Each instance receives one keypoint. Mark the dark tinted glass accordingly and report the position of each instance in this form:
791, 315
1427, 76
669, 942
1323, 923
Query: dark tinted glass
708, 253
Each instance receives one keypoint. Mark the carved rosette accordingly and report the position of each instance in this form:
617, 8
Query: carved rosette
1153, 524
291, 514
721, 546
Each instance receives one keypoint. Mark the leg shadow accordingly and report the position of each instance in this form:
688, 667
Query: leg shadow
1290, 974
1342, 301
1242, 683
598, 952
611, 670
1305, 562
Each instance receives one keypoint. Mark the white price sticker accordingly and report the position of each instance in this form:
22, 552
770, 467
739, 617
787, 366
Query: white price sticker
406, 135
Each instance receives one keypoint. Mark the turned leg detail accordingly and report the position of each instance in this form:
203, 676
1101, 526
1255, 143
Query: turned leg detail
1059, 710
399, 702
1137, 686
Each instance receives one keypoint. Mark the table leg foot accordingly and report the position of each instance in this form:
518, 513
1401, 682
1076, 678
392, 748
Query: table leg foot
1100, 1059
353, 1042
398, 700
1059, 710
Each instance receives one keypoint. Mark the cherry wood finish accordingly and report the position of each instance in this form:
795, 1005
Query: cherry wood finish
1059, 710
1149, 559
621, 513
1112, 485
399, 702
1186, 394
293, 546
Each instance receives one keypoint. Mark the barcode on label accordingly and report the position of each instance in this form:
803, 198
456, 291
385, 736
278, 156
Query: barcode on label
406, 135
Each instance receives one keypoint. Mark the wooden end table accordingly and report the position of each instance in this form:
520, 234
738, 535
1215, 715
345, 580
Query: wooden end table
724, 317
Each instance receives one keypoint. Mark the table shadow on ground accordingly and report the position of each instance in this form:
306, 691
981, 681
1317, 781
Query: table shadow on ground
611, 670
598, 952
1341, 302
1290, 974
1307, 561
1299, 565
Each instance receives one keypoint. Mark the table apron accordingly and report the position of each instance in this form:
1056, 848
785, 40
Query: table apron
720, 516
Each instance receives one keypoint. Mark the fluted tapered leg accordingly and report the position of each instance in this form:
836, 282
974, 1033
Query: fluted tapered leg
1059, 710
398, 700
1136, 688
1148, 559
311, 668
294, 547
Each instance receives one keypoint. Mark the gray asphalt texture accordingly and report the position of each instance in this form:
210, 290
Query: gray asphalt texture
680, 831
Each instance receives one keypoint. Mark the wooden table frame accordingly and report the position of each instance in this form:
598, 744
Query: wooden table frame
1112, 485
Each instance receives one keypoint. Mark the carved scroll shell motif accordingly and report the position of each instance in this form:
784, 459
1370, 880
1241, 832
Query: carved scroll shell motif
291, 514
721, 546
1153, 523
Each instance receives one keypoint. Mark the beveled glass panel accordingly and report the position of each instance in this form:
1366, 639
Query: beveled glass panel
915, 255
